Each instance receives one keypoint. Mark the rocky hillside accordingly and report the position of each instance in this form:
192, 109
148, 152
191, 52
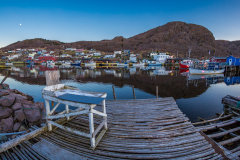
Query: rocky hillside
171, 37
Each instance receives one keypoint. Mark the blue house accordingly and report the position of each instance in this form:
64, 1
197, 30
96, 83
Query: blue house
39, 52
233, 61
232, 80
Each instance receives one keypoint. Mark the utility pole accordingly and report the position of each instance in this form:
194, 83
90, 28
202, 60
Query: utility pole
189, 53
177, 54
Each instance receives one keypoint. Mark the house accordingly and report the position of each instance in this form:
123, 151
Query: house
79, 54
47, 58
44, 51
133, 58
96, 54
65, 55
161, 58
117, 52
80, 50
218, 59
89, 54
233, 61
126, 52
103, 61
51, 52
39, 52
91, 50
109, 56
152, 54
31, 50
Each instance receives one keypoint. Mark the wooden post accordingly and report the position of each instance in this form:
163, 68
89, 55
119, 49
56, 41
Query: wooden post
5, 77
114, 95
91, 126
67, 111
133, 92
52, 103
104, 111
47, 114
157, 91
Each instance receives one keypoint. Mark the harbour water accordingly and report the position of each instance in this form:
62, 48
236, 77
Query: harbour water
196, 97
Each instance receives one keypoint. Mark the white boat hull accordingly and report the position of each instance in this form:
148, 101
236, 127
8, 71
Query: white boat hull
198, 76
154, 64
138, 65
8, 64
122, 64
89, 64
202, 71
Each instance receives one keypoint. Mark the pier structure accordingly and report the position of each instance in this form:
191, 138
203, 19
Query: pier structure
137, 129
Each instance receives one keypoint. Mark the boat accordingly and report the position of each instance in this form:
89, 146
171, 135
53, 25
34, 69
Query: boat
122, 64
154, 63
186, 63
50, 62
210, 68
138, 64
66, 63
8, 63
76, 63
90, 64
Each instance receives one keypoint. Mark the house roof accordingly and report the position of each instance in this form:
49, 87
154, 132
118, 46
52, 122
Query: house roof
220, 57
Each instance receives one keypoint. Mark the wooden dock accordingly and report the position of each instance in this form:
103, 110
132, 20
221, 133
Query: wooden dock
138, 129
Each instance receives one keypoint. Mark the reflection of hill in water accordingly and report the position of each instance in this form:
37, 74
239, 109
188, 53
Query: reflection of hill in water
168, 86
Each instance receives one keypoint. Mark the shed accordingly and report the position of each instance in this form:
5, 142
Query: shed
218, 59
233, 61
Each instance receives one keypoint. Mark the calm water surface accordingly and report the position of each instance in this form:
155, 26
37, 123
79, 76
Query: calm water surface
196, 96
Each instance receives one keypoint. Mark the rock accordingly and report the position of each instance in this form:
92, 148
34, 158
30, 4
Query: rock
7, 125
5, 112
7, 101
32, 112
4, 86
10, 90
35, 123
19, 97
19, 116
16, 126
41, 106
3, 138
17, 106
29, 98
4, 93
22, 128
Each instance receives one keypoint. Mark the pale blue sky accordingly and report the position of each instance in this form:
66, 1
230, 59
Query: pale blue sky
70, 21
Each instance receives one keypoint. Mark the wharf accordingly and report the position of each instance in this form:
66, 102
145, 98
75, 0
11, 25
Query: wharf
137, 129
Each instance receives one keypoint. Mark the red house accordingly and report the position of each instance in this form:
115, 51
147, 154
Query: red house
47, 58
218, 59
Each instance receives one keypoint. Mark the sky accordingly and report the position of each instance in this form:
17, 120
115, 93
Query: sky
76, 20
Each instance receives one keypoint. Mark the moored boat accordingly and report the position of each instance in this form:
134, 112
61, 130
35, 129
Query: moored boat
186, 63
122, 64
90, 64
138, 64
76, 63
210, 68
8, 63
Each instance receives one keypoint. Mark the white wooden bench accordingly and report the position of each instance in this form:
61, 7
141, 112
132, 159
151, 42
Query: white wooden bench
72, 96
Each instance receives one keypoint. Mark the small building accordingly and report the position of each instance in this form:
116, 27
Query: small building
79, 54
47, 58
133, 58
65, 55
218, 59
103, 60
80, 50
90, 54
96, 54
117, 52
152, 54
39, 52
161, 58
109, 56
126, 52
233, 61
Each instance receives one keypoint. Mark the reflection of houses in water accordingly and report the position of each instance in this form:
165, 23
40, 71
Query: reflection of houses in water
209, 79
132, 70
232, 80
161, 71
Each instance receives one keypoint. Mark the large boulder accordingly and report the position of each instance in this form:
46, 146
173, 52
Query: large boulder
5, 112
32, 112
19, 97
7, 101
17, 106
7, 125
16, 126
4, 93
19, 116
41, 106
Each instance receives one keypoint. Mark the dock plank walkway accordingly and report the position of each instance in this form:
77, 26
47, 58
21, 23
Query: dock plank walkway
138, 129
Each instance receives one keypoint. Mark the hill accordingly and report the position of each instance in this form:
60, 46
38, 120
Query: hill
171, 37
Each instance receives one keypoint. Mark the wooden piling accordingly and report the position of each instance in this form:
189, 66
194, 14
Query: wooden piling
52, 103
133, 92
114, 95
157, 91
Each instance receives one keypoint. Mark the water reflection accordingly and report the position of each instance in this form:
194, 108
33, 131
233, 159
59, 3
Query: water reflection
196, 96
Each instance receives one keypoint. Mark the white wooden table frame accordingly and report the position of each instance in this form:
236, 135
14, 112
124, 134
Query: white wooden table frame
87, 109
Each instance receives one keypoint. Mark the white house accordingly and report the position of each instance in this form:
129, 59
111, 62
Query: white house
117, 52
109, 56
31, 49
133, 58
161, 58
152, 54
96, 54
65, 55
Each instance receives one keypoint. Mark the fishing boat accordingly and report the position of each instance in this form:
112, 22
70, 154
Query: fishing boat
186, 63
122, 64
154, 63
138, 64
210, 68
90, 64
76, 63
50, 62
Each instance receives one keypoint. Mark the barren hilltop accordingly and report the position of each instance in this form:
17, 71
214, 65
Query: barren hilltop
171, 37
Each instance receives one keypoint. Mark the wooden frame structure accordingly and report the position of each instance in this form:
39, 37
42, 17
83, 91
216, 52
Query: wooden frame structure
48, 95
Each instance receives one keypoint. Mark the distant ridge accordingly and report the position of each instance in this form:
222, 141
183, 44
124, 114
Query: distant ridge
171, 37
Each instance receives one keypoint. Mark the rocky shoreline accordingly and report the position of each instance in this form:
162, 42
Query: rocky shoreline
18, 111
